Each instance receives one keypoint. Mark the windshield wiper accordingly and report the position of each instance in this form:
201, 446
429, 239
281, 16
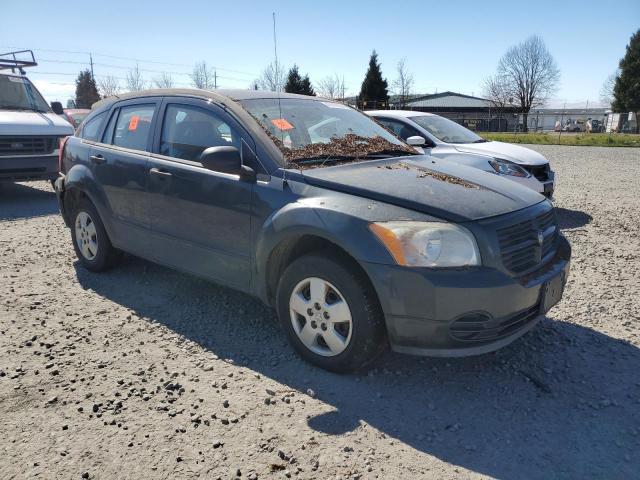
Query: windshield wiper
480, 140
391, 152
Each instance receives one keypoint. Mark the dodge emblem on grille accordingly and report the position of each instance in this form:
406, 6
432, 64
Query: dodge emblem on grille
540, 238
16, 145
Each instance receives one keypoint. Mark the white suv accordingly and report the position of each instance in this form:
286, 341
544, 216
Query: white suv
30, 131
444, 138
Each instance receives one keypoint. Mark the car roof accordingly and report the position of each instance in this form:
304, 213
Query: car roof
220, 95
397, 113
226, 98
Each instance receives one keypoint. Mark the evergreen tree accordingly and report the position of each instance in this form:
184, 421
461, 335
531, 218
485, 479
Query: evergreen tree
86, 90
374, 92
626, 92
307, 88
298, 84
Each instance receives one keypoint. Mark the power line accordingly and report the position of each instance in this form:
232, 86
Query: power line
131, 59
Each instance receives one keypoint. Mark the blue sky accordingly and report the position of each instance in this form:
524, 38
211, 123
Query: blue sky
447, 45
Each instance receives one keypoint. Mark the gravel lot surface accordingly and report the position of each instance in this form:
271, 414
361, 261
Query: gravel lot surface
143, 372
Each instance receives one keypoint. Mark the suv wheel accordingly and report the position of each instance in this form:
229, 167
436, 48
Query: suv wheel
330, 313
90, 241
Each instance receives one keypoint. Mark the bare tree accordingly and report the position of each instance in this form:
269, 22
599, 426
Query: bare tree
331, 87
403, 84
273, 78
496, 90
134, 80
606, 91
109, 86
165, 80
530, 73
204, 77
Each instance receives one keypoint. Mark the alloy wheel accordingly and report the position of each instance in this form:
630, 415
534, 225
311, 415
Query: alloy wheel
86, 236
320, 316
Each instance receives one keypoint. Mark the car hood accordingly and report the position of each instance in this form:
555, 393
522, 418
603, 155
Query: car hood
429, 185
33, 123
506, 151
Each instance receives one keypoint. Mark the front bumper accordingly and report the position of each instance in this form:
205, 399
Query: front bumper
543, 187
23, 167
430, 312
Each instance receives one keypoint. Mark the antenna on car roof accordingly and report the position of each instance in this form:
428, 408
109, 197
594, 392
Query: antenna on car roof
277, 77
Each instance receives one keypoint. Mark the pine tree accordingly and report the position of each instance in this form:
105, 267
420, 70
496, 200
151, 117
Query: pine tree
374, 92
298, 84
307, 89
626, 92
86, 90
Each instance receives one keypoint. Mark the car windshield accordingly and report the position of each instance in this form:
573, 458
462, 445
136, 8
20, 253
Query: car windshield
18, 93
311, 132
447, 130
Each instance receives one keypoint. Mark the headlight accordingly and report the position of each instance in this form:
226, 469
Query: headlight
428, 244
504, 167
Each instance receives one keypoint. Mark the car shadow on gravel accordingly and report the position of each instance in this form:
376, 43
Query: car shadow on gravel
569, 219
25, 200
562, 402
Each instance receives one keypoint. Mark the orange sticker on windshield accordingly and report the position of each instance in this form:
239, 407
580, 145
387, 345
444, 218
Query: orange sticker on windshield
133, 123
282, 124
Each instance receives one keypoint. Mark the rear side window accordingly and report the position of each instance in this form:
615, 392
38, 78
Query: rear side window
91, 129
401, 129
133, 127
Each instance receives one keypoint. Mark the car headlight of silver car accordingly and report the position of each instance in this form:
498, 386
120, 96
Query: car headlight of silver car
428, 244
504, 167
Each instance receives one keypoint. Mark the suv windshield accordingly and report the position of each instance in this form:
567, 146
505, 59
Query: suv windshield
447, 130
317, 131
18, 93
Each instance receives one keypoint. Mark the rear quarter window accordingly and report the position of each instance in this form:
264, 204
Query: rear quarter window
91, 129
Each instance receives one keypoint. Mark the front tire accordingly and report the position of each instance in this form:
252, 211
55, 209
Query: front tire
330, 313
90, 240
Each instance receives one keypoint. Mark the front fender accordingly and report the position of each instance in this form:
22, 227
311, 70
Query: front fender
345, 228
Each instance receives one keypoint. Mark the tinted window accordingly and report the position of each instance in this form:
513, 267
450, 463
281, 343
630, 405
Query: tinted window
187, 131
400, 128
91, 129
108, 132
133, 126
446, 130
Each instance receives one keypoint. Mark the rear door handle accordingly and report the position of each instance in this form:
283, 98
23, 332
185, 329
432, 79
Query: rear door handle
97, 159
157, 171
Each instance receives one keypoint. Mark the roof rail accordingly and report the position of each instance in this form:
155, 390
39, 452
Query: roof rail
17, 60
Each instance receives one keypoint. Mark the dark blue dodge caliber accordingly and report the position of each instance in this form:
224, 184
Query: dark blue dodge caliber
356, 240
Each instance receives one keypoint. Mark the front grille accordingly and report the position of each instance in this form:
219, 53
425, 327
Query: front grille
26, 145
541, 172
479, 327
521, 248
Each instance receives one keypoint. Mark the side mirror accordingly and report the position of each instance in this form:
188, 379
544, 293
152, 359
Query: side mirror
416, 141
57, 108
222, 159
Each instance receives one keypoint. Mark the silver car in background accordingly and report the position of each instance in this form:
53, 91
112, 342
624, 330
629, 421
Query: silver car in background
446, 139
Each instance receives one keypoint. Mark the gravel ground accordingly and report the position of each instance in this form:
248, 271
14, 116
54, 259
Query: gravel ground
143, 372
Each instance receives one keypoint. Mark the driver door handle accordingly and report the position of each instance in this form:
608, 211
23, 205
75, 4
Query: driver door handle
157, 171
97, 159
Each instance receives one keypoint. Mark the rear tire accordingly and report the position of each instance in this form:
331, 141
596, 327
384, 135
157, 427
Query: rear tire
90, 240
330, 313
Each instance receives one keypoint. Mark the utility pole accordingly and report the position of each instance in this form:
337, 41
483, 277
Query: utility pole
215, 79
91, 63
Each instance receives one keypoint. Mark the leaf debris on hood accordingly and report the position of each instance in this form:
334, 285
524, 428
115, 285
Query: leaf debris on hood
425, 172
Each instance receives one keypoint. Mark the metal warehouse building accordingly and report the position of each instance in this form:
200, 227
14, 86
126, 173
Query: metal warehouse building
480, 114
